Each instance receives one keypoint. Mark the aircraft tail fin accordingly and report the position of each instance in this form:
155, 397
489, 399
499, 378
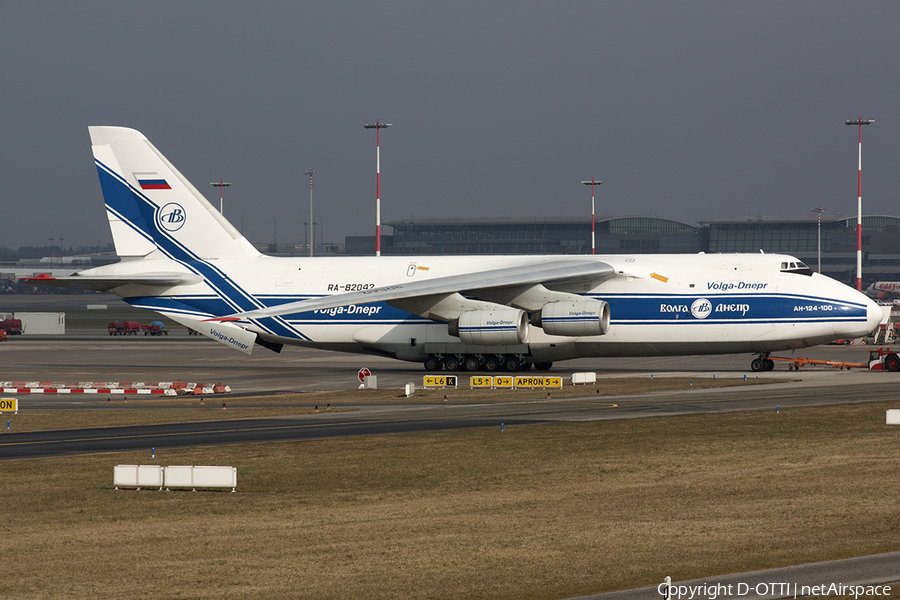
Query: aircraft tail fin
151, 206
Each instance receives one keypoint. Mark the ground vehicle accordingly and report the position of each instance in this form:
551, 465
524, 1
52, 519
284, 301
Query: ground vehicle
131, 328
116, 328
884, 359
3, 335
12, 326
155, 328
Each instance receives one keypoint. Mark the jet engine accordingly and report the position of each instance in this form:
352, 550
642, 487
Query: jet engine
497, 327
578, 318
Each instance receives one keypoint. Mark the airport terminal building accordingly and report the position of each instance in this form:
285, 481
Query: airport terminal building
549, 235
795, 235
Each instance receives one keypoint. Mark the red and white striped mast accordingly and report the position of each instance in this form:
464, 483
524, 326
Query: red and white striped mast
377, 126
221, 185
859, 122
592, 183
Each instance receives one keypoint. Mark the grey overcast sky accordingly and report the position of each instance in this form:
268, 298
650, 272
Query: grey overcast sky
686, 110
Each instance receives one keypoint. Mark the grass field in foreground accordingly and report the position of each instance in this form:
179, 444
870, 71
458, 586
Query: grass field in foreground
548, 511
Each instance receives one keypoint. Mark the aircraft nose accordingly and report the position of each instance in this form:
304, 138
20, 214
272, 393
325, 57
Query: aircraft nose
874, 314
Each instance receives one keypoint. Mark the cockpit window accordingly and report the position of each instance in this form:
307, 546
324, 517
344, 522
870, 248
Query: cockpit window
796, 267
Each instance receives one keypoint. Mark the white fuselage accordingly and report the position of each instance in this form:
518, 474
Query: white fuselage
660, 304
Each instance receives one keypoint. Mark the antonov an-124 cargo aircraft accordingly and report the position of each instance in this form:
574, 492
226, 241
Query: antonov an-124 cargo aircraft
181, 258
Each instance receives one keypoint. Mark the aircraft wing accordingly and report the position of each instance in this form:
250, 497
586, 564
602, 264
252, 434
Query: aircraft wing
104, 283
552, 271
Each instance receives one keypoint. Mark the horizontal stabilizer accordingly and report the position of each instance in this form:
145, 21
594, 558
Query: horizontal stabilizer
225, 333
104, 283
542, 272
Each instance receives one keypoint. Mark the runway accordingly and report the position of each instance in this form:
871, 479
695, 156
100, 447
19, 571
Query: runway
89, 355
403, 417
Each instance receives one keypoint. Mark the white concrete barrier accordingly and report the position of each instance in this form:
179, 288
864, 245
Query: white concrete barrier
145, 476
893, 417
138, 476
584, 378
201, 477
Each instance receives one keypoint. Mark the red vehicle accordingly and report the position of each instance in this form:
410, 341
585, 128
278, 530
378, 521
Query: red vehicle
3, 335
155, 328
12, 326
131, 328
884, 359
116, 328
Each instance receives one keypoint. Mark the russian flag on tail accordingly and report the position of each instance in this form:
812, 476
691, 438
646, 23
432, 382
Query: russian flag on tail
151, 181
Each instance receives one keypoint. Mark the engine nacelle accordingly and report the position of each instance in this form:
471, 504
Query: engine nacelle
580, 318
499, 327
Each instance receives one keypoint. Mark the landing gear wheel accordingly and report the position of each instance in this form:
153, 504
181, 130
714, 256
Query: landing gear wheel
470, 363
511, 364
542, 366
770, 364
757, 365
491, 363
433, 363
451, 363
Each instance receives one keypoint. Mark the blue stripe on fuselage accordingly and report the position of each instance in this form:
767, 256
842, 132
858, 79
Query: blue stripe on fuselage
731, 308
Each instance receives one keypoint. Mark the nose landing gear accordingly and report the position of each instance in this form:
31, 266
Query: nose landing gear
762, 363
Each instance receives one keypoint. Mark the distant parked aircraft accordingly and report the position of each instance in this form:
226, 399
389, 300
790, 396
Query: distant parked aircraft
884, 290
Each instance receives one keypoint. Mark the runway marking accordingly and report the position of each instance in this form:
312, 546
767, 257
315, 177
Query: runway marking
364, 422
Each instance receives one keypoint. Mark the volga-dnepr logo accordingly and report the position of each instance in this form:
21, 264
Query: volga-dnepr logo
171, 217
701, 308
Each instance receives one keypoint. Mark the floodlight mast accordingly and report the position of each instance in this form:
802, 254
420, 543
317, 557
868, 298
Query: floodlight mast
859, 123
593, 182
819, 210
377, 126
312, 238
221, 185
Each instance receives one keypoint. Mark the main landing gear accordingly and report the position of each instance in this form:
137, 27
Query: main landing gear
481, 362
762, 363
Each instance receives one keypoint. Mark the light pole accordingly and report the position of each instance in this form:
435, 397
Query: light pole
311, 232
377, 126
593, 182
221, 185
859, 122
819, 210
